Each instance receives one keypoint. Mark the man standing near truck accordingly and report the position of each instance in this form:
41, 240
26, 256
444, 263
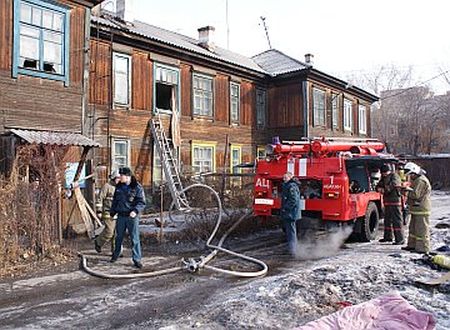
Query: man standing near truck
290, 210
390, 186
420, 209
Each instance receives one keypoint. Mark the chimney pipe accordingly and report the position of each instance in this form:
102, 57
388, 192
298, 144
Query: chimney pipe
206, 37
309, 59
125, 10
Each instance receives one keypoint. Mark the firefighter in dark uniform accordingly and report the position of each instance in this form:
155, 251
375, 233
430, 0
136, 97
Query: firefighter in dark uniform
290, 210
128, 203
390, 186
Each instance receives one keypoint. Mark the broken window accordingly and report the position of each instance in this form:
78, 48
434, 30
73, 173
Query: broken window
122, 79
41, 39
166, 88
203, 95
261, 108
235, 96
319, 106
164, 97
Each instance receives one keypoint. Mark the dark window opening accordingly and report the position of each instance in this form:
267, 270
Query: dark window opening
164, 96
30, 64
49, 67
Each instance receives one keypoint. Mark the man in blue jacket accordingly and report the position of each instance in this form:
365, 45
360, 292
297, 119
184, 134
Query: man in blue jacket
290, 210
128, 203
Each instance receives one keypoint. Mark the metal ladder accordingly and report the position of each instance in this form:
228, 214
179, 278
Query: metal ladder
169, 164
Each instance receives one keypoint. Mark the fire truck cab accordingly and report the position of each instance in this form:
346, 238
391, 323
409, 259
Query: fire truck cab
337, 180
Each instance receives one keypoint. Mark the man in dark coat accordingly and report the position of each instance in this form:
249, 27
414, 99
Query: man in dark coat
128, 203
290, 210
390, 186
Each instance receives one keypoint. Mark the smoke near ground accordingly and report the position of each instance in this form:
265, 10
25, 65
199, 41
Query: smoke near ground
323, 246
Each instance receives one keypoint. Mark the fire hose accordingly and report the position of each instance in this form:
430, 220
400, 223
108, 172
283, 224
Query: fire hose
193, 265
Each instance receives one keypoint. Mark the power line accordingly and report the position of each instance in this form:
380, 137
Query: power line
417, 85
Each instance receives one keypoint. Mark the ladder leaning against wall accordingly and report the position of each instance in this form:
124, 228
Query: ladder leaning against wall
169, 164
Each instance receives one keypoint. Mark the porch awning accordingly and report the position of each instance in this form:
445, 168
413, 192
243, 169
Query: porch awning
55, 138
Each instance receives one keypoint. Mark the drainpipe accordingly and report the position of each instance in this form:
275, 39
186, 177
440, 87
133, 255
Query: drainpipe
86, 66
305, 108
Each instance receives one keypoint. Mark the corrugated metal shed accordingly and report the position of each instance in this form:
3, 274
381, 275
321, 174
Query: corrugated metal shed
276, 63
178, 40
57, 138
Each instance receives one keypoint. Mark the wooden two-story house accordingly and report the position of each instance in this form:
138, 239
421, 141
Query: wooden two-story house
220, 100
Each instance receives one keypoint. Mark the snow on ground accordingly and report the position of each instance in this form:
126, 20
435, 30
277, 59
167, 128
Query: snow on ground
316, 288
294, 292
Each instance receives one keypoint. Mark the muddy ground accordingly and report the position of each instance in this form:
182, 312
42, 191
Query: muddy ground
292, 293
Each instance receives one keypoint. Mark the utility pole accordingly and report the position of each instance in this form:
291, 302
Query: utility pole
228, 24
263, 19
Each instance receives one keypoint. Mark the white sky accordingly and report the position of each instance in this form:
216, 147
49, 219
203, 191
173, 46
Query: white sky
345, 36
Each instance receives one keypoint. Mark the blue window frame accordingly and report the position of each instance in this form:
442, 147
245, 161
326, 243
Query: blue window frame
41, 40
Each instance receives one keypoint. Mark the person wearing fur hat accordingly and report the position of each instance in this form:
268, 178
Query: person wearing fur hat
128, 203
106, 197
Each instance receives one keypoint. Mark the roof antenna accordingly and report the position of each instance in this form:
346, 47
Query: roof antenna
263, 19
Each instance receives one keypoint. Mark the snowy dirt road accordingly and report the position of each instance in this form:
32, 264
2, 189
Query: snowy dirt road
293, 293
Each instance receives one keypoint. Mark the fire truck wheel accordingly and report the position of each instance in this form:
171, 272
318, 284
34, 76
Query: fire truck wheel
369, 224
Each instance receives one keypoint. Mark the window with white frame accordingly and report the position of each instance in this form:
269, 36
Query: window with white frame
203, 158
235, 97
335, 110
261, 108
348, 120
122, 79
166, 88
319, 106
362, 119
41, 39
203, 95
121, 153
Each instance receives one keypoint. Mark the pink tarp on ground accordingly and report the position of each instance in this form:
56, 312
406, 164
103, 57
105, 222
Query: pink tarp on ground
388, 312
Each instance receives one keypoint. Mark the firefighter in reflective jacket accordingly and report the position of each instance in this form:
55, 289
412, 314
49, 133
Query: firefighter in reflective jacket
106, 197
290, 210
420, 208
390, 185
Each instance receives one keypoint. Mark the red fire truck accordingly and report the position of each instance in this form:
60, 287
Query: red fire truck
337, 179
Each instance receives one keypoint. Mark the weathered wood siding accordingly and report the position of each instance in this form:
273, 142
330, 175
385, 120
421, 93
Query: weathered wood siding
285, 106
222, 98
142, 83
100, 80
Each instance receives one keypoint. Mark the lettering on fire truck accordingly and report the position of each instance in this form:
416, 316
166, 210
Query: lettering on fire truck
263, 183
332, 186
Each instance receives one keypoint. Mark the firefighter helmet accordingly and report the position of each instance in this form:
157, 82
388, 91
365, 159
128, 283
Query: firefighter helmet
412, 168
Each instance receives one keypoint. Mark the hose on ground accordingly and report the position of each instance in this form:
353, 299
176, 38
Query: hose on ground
192, 264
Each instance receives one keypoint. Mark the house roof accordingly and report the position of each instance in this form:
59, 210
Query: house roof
276, 63
271, 62
180, 41
58, 138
